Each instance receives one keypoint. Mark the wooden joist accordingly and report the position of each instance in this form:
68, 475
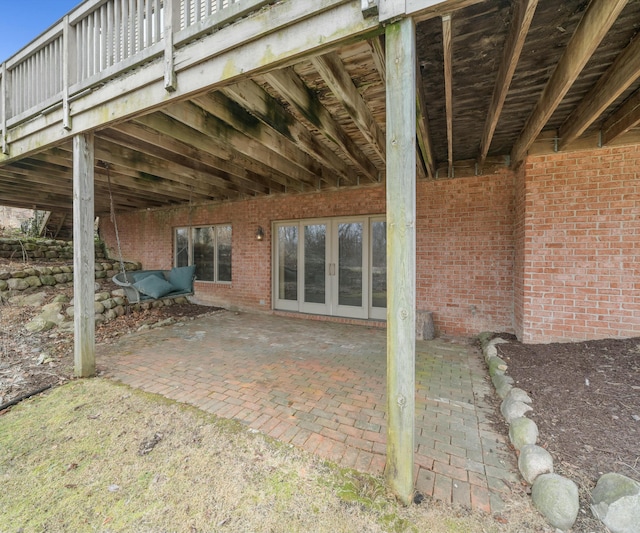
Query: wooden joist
341, 85
293, 89
448, 87
627, 116
523, 11
620, 75
599, 17
257, 101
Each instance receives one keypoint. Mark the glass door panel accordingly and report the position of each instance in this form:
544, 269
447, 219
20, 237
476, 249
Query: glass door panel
314, 251
286, 259
378, 269
350, 289
350, 264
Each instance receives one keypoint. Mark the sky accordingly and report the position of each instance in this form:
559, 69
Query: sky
21, 21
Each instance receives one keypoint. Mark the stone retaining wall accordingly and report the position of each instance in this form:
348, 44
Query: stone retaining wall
40, 250
20, 280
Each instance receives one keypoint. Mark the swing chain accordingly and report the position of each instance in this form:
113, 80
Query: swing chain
113, 218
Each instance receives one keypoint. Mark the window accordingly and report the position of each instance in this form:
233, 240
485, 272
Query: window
206, 247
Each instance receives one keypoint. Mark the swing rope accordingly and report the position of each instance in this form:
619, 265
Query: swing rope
114, 221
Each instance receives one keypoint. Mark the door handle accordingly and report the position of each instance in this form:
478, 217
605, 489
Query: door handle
332, 269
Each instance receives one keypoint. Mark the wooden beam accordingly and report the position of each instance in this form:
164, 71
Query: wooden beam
377, 53
335, 75
595, 24
197, 118
246, 182
224, 157
448, 86
84, 347
177, 171
422, 127
523, 12
238, 118
401, 256
260, 103
627, 116
618, 77
293, 89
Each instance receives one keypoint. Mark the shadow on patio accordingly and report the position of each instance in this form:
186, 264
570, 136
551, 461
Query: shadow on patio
321, 386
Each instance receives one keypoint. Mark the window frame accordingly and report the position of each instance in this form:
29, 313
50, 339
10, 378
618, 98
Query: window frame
216, 233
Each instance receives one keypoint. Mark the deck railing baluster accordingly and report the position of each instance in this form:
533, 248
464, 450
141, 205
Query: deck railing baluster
99, 36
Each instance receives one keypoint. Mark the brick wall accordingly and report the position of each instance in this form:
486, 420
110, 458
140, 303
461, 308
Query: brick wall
464, 245
465, 253
581, 246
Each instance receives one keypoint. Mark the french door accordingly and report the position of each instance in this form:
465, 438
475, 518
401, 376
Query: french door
331, 266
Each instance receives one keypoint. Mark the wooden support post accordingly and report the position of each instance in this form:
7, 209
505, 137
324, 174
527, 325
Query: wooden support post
171, 25
401, 255
69, 72
4, 101
83, 257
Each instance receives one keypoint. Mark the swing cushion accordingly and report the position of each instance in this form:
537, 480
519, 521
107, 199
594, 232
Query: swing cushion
182, 278
142, 274
154, 286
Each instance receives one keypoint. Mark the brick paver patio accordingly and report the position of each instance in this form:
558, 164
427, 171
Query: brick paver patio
321, 386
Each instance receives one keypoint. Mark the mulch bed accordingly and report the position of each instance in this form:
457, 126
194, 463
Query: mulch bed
586, 404
586, 400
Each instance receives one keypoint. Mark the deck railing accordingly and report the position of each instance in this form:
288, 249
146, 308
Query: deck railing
99, 40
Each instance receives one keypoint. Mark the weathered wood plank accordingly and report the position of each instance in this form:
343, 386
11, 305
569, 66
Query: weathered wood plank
523, 12
211, 146
599, 17
401, 255
293, 89
84, 348
627, 116
246, 181
335, 75
618, 77
255, 99
244, 122
276, 36
448, 86
425, 145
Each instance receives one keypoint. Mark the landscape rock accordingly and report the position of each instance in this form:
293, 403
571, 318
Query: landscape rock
512, 409
3, 285
518, 395
534, 461
503, 384
17, 284
30, 300
38, 325
33, 281
522, 432
48, 280
490, 351
556, 498
53, 313
616, 501
496, 365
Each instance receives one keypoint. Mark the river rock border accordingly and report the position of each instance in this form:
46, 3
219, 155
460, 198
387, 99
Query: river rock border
615, 499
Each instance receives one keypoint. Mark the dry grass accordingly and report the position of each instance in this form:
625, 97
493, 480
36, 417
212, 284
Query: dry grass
96, 456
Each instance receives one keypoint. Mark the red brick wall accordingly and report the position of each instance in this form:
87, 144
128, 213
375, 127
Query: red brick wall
464, 245
518, 263
465, 253
147, 236
581, 276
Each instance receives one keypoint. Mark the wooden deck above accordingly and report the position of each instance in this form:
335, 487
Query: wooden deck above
194, 100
